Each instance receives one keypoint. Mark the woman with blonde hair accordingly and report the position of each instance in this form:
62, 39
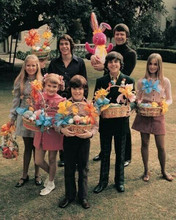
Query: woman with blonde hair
153, 87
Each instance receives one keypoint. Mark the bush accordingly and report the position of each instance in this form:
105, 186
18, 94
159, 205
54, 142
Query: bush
167, 54
53, 54
170, 36
22, 55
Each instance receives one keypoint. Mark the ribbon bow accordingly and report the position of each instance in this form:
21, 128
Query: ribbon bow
148, 86
21, 111
102, 104
91, 112
127, 92
59, 120
43, 121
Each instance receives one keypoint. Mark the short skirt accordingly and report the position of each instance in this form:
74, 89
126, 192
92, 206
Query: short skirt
150, 125
48, 140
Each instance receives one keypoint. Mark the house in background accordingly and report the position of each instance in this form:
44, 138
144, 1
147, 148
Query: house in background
170, 18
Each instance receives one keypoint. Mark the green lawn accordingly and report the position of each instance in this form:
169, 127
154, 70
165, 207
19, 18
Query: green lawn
141, 201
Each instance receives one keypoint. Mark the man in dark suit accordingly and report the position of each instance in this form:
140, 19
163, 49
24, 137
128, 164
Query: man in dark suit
113, 127
121, 35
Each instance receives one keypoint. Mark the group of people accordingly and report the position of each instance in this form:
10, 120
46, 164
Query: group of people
67, 80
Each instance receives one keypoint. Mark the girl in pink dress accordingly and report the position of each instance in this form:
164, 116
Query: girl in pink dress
49, 140
154, 87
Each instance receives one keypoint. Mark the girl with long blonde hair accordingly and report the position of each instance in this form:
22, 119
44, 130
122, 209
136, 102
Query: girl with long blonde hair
30, 71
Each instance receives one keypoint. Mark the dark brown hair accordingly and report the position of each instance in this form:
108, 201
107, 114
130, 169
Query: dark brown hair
122, 27
67, 38
79, 81
111, 56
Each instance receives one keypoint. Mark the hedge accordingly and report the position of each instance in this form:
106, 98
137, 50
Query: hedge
168, 55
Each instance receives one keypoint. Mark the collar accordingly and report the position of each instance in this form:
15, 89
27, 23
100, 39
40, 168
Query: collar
74, 57
83, 100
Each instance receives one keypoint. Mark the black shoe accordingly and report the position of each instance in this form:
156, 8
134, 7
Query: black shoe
127, 163
65, 202
85, 203
38, 180
100, 187
120, 188
22, 181
97, 158
61, 163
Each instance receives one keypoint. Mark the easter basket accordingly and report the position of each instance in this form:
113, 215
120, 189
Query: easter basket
149, 111
8, 146
115, 111
41, 54
77, 116
30, 125
79, 129
10, 152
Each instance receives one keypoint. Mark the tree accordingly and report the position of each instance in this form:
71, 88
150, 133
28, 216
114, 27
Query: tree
139, 15
73, 17
20, 15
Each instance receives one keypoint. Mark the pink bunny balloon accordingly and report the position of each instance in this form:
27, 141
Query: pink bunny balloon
99, 39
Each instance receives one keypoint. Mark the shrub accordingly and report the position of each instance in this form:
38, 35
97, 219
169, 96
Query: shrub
170, 36
167, 54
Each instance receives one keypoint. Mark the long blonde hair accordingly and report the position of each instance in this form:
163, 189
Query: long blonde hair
22, 77
159, 73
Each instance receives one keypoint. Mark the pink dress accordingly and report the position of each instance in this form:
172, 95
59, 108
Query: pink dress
49, 140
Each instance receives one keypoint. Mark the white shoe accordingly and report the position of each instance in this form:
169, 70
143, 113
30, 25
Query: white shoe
46, 181
50, 187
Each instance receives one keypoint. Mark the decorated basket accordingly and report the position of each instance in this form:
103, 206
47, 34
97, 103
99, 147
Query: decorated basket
9, 146
77, 116
41, 54
79, 129
115, 112
149, 111
30, 125
10, 152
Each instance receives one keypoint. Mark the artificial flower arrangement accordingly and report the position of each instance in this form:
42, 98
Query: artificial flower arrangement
33, 39
35, 120
152, 109
115, 110
9, 147
77, 116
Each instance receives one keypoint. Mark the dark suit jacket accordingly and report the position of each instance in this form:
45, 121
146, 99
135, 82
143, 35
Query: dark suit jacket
113, 125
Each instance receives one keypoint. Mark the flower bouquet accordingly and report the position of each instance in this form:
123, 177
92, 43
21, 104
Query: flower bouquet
115, 110
33, 38
8, 146
77, 116
152, 109
35, 120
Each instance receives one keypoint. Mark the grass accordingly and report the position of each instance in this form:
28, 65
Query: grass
153, 200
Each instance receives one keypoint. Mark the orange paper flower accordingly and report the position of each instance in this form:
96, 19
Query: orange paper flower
92, 113
6, 129
101, 93
36, 87
32, 38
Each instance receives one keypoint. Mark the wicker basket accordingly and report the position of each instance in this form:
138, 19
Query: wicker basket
41, 54
149, 111
115, 112
10, 155
79, 129
30, 125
